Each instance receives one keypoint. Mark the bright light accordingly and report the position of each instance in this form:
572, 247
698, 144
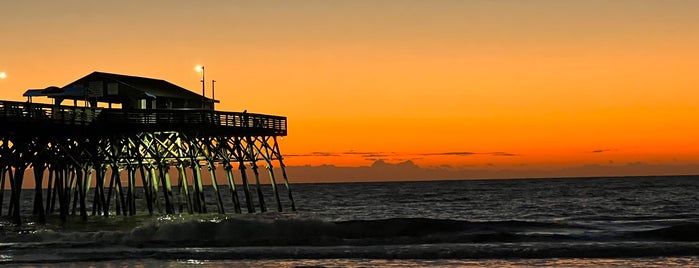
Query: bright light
199, 68
3, 75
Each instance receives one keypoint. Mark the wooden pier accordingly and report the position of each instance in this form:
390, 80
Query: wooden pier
71, 145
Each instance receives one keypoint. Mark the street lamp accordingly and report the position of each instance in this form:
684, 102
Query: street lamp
200, 68
3, 75
213, 93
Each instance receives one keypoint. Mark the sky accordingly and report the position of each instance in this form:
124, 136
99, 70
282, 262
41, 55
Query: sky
480, 84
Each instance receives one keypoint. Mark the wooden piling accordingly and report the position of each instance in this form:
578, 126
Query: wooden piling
3, 170
16, 194
253, 166
270, 169
131, 195
231, 185
288, 186
146, 189
246, 188
183, 187
48, 190
280, 158
38, 198
214, 184
82, 175
167, 189
199, 188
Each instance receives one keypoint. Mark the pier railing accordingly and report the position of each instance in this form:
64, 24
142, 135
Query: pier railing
24, 112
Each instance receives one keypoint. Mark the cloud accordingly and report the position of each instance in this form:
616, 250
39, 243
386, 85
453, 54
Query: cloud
450, 153
377, 155
372, 156
381, 170
503, 154
357, 153
369, 154
466, 153
312, 154
601, 151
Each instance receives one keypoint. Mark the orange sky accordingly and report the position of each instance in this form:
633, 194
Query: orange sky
510, 84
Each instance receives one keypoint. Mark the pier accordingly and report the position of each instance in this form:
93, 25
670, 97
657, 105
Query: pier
135, 135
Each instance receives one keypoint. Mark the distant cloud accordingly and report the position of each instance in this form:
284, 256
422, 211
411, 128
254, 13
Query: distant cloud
312, 154
465, 153
503, 154
382, 170
372, 156
600, 151
357, 153
450, 153
376, 155
369, 154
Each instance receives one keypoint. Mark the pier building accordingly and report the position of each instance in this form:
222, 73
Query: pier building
106, 138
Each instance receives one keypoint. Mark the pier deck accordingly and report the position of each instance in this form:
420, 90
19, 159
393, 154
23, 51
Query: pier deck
24, 116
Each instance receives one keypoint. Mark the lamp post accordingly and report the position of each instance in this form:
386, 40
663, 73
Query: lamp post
213, 94
200, 68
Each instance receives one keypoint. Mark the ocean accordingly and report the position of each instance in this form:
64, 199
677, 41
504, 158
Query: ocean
562, 222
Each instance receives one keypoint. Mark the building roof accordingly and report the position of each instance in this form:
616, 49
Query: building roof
136, 86
148, 86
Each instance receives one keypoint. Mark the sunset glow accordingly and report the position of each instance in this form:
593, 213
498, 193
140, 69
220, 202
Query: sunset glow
538, 84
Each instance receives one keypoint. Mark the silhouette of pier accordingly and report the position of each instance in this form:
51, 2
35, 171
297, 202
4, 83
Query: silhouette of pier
149, 131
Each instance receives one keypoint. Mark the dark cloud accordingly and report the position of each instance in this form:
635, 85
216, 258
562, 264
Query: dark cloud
450, 153
369, 154
376, 155
503, 154
355, 153
383, 155
366, 155
313, 154
600, 151
465, 153
360, 153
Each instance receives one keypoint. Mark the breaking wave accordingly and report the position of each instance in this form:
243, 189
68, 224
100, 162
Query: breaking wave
284, 236
286, 231
283, 230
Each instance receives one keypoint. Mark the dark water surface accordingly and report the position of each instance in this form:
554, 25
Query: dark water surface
633, 221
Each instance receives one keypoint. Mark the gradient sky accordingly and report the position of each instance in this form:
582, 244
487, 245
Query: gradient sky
489, 84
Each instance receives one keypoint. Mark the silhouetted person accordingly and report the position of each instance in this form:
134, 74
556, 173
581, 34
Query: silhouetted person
245, 118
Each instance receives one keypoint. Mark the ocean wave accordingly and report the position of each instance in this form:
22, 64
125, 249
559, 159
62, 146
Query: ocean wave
687, 232
423, 251
293, 230
287, 236
314, 232
284, 230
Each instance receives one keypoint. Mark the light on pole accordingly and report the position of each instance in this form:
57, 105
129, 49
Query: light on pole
3, 75
213, 93
200, 68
